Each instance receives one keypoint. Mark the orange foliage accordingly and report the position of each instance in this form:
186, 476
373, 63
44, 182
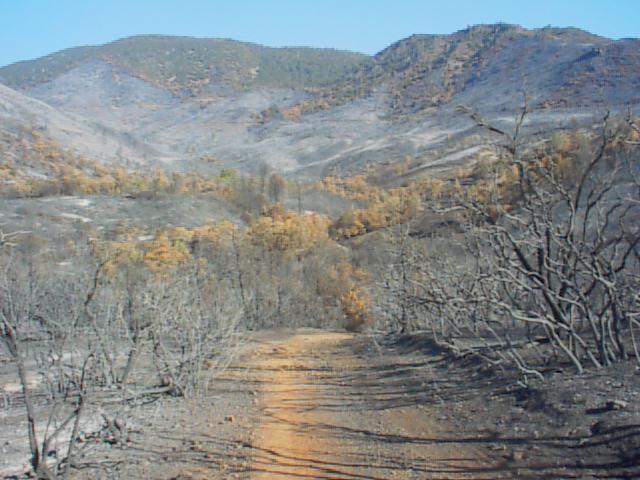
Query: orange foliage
117, 255
396, 206
347, 283
290, 232
356, 306
170, 248
163, 254
70, 174
353, 188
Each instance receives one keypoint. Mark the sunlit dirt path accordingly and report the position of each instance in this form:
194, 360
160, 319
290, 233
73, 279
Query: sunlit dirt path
334, 407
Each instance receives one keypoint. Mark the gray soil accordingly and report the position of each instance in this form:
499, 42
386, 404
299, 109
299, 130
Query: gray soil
328, 405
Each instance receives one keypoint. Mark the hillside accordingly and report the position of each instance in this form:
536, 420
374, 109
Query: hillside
33, 133
178, 63
490, 65
201, 105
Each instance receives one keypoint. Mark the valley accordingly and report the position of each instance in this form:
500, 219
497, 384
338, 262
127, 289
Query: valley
225, 260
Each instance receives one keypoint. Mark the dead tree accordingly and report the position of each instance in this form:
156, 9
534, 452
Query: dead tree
76, 337
37, 310
565, 258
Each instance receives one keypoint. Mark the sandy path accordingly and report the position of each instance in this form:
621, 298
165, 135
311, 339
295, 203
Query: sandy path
334, 408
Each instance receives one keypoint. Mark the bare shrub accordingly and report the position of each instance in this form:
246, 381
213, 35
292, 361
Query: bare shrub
76, 336
549, 256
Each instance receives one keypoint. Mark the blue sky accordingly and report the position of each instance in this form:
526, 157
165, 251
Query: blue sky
32, 28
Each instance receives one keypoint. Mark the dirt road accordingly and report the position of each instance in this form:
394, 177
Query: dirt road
311, 404
332, 407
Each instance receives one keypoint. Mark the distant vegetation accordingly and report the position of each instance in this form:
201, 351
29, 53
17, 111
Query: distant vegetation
420, 71
179, 63
424, 71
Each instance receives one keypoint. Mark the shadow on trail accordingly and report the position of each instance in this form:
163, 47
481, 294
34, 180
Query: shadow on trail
409, 373
380, 384
221, 454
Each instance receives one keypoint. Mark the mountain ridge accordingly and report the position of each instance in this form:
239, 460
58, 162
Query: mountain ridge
180, 62
363, 112
425, 70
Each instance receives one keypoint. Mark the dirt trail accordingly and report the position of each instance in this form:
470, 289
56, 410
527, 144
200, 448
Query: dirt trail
310, 404
333, 407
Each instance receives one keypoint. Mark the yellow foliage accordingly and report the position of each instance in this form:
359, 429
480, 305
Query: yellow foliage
356, 306
396, 206
349, 225
168, 250
218, 234
289, 233
163, 254
354, 299
70, 174
346, 284
117, 255
353, 188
